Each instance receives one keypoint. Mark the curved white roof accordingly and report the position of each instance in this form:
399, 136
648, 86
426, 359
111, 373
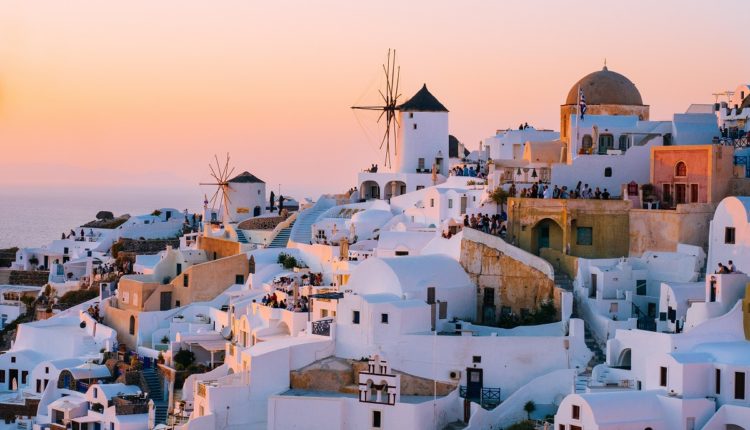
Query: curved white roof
618, 407
736, 207
409, 276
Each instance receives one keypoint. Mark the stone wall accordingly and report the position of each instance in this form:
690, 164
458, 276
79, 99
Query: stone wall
28, 277
262, 223
147, 246
340, 375
26, 409
739, 187
662, 230
509, 275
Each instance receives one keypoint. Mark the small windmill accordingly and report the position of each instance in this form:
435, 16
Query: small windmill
390, 97
221, 177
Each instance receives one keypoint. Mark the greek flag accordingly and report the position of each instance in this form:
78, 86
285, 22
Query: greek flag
581, 102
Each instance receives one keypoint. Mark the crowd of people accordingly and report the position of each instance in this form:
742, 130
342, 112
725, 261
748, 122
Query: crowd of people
273, 301
544, 191
467, 171
491, 224
80, 237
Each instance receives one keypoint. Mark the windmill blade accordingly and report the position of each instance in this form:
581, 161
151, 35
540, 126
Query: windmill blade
226, 168
213, 199
229, 175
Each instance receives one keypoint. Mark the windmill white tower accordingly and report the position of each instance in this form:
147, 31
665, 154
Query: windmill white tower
236, 198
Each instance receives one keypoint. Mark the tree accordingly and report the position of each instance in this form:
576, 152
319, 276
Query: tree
500, 197
184, 358
529, 407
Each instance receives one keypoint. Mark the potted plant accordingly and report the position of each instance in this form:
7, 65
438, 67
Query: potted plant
165, 339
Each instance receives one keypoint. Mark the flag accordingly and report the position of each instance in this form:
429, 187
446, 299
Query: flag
581, 102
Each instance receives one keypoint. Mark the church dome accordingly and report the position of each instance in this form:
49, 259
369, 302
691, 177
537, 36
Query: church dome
605, 87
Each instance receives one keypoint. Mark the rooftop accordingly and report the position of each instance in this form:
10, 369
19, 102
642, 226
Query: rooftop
423, 101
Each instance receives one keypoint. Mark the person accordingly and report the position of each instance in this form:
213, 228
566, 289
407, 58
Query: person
721, 269
547, 192
556, 192
730, 267
466, 220
597, 193
525, 125
82, 233
466, 170
63, 236
587, 192
512, 190
520, 127
605, 194
564, 194
281, 202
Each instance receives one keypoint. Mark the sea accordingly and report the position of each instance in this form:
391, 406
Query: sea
35, 217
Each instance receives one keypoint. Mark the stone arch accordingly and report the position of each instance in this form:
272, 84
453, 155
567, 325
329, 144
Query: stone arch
394, 189
587, 144
546, 233
624, 360
369, 190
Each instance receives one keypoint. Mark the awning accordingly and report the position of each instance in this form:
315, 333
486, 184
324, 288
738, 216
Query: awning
211, 345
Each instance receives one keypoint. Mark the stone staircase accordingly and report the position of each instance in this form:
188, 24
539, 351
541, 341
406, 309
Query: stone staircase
241, 238
156, 393
282, 237
302, 231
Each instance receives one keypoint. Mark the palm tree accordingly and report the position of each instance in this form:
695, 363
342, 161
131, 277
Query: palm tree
529, 407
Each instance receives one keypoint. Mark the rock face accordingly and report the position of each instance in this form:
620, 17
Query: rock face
504, 284
340, 375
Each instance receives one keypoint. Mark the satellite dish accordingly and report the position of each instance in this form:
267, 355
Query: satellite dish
226, 333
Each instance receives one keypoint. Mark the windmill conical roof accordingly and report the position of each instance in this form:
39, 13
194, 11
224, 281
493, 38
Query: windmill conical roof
246, 177
423, 101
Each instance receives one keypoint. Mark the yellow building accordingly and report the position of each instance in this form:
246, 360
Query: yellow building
585, 228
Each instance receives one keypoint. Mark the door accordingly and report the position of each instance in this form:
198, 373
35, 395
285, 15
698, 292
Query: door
680, 193
592, 290
488, 306
693, 193
474, 383
256, 211
13, 376
544, 237
165, 302
463, 204
712, 291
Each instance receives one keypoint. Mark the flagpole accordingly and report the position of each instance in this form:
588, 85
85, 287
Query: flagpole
574, 148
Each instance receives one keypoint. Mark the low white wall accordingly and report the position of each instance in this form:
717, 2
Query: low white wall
547, 389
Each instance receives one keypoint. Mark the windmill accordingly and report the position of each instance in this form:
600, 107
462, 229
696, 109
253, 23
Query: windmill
221, 177
389, 107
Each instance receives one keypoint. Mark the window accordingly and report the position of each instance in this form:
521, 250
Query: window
96, 392
587, 144
135, 299
185, 280
450, 203
717, 381
430, 295
384, 318
2, 376
324, 313
729, 235
623, 146
24, 376
179, 269
411, 114
402, 253
355, 317
420, 164
376, 419
38, 385
739, 385
442, 310
607, 172
662, 376
177, 303
640, 287
239, 279
576, 412
46, 370
680, 169
131, 328
584, 236
476, 359
420, 187
693, 193
415, 126
432, 203
125, 297
606, 142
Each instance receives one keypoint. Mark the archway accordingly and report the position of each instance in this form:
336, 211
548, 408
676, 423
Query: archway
624, 361
394, 188
734, 427
131, 328
546, 234
369, 190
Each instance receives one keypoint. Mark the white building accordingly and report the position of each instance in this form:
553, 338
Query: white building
422, 142
729, 236
508, 144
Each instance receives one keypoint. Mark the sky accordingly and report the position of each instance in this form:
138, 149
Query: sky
142, 94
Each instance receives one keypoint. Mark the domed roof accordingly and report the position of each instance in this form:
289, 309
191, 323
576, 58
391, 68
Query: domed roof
605, 87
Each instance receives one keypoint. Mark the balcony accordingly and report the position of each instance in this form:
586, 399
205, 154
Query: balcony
488, 398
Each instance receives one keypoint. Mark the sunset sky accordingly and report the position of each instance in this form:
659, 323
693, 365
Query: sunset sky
142, 93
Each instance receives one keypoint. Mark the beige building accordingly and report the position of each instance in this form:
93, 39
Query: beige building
148, 293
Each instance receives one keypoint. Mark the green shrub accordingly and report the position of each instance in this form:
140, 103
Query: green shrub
183, 358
